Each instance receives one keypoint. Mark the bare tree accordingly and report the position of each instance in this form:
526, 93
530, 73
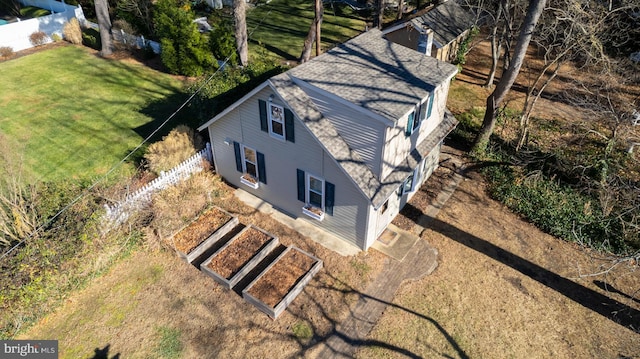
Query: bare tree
142, 10
569, 33
378, 19
400, 9
18, 216
497, 38
10, 7
239, 14
494, 100
104, 22
314, 34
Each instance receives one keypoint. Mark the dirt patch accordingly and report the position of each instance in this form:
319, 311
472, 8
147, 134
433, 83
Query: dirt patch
235, 255
505, 289
199, 230
282, 277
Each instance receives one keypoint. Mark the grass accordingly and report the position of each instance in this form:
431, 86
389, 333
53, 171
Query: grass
33, 12
70, 114
302, 330
283, 26
169, 345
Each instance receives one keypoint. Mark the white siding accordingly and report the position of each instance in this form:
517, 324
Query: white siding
399, 146
282, 158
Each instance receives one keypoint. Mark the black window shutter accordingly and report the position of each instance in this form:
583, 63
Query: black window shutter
264, 126
236, 149
301, 185
262, 171
288, 125
330, 190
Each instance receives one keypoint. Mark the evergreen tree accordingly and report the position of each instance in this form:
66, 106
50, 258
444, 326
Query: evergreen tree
184, 50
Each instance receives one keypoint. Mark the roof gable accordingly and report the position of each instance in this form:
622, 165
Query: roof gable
447, 20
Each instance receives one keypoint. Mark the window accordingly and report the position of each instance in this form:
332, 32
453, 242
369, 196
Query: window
249, 162
423, 112
407, 186
412, 123
315, 191
384, 207
276, 121
317, 195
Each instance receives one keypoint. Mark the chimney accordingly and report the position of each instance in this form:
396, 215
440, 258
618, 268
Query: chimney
425, 41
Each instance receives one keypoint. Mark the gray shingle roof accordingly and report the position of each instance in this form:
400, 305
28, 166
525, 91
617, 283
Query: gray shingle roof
375, 74
375, 190
447, 20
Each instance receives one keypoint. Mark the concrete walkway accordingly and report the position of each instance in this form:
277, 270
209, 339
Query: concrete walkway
418, 263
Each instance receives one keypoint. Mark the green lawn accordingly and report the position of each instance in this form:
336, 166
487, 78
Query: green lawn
285, 24
67, 113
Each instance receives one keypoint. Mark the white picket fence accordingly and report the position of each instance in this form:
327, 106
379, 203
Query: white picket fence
120, 212
128, 39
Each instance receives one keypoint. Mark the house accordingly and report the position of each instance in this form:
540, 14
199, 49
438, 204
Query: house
437, 33
342, 141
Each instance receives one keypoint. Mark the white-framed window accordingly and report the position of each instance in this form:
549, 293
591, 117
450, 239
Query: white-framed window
408, 184
276, 121
315, 191
249, 162
421, 113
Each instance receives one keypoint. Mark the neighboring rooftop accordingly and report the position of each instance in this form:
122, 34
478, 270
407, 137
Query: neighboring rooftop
376, 74
447, 20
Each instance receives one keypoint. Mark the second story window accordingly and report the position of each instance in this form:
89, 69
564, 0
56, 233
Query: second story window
276, 121
422, 113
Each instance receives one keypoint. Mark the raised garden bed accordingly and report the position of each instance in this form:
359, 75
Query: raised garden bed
281, 282
195, 238
239, 256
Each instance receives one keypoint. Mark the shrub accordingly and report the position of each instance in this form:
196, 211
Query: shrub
222, 43
91, 38
56, 37
184, 50
72, 32
175, 206
38, 38
230, 85
180, 144
557, 208
6, 51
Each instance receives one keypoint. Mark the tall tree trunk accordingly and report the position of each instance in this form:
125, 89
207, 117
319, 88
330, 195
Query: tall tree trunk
239, 15
308, 44
104, 22
400, 9
379, 17
313, 34
319, 10
496, 46
509, 76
